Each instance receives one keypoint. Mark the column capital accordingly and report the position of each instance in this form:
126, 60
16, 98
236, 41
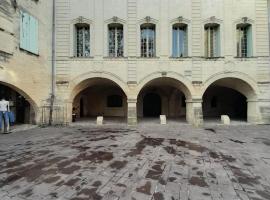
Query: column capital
199, 100
132, 100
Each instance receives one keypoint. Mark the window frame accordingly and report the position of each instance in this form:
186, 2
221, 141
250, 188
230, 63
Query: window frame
116, 26
148, 26
82, 26
72, 43
186, 42
215, 50
249, 40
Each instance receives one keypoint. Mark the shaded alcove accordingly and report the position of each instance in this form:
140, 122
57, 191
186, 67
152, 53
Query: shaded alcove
219, 100
99, 97
19, 104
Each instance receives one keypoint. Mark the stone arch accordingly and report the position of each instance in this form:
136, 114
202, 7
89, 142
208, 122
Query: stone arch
241, 83
246, 85
27, 97
175, 79
167, 82
81, 82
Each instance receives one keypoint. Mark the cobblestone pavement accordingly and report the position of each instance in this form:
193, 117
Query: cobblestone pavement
151, 162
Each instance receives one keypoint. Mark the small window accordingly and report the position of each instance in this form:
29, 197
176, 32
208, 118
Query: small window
116, 40
82, 40
214, 102
244, 40
28, 33
114, 101
212, 40
179, 41
148, 40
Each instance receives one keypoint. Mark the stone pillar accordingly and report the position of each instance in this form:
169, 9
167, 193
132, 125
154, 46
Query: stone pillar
68, 112
194, 111
132, 41
264, 111
132, 112
258, 111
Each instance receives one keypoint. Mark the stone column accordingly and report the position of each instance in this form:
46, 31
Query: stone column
194, 111
251, 112
67, 118
132, 112
132, 41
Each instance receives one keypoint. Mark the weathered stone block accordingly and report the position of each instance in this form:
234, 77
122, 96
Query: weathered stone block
163, 119
99, 120
225, 119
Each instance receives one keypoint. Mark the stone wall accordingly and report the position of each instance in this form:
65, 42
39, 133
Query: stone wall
22, 71
30, 74
195, 72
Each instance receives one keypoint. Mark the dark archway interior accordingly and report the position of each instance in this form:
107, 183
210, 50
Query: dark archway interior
100, 97
18, 104
219, 100
158, 98
151, 105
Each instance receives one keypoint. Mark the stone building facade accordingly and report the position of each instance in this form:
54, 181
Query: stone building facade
202, 82
25, 66
187, 59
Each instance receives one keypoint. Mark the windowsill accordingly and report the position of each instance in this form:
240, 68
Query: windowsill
29, 52
244, 58
81, 58
180, 58
115, 58
148, 58
213, 58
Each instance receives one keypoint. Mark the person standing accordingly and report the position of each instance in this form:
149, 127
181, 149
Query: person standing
4, 117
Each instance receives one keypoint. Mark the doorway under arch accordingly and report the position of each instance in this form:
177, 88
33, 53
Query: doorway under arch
163, 96
151, 105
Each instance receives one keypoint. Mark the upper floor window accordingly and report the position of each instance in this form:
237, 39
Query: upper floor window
28, 33
179, 41
148, 40
244, 40
212, 40
116, 40
82, 40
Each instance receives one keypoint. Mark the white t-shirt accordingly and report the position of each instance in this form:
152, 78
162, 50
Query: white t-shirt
4, 105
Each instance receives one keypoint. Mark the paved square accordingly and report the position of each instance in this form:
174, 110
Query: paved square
150, 162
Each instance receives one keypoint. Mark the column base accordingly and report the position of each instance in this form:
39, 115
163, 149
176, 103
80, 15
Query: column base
194, 112
132, 112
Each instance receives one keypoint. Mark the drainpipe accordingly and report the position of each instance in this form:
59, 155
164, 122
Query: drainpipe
268, 6
53, 67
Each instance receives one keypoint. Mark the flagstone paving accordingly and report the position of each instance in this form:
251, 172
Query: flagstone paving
149, 162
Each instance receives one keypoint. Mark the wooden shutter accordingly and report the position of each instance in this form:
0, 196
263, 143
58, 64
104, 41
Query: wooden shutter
33, 35
206, 42
249, 41
186, 42
217, 42
24, 31
174, 43
28, 33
